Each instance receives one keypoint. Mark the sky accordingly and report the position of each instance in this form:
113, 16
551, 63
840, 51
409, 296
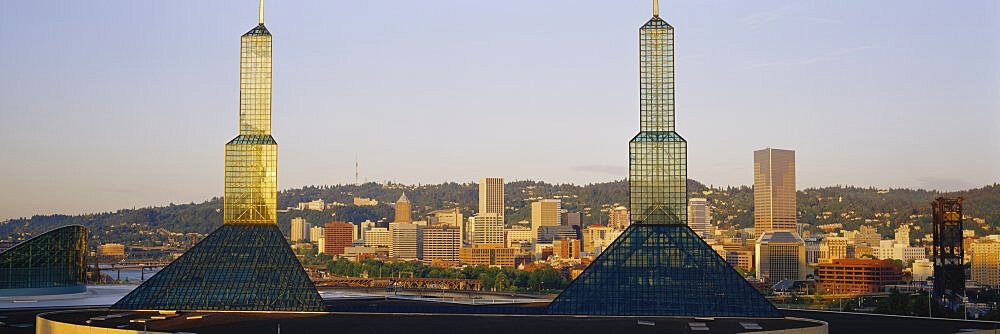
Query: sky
120, 104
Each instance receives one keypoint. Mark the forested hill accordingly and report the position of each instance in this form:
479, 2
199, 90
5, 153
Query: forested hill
732, 206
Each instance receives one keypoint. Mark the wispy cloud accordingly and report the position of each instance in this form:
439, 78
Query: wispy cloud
816, 19
602, 169
822, 58
944, 183
768, 16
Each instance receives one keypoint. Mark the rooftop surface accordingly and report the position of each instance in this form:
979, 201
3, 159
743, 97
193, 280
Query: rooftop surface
244, 323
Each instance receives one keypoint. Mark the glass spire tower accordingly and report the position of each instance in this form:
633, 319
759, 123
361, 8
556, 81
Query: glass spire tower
246, 264
659, 266
657, 155
251, 180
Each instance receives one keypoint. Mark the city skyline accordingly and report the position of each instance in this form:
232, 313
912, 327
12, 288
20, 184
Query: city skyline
891, 154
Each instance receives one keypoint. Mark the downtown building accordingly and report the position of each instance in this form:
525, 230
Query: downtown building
441, 243
857, 276
491, 196
545, 213
407, 241
337, 236
986, 261
404, 210
700, 218
780, 251
299, 230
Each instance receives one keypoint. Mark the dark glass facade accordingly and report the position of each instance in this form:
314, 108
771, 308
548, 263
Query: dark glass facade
51, 263
245, 267
948, 251
661, 270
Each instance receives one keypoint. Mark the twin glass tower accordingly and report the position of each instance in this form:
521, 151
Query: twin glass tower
657, 155
246, 264
251, 195
659, 266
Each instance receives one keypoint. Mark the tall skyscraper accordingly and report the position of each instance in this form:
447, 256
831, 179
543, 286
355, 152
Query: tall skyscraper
774, 190
491, 196
246, 264
700, 218
404, 210
659, 266
299, 229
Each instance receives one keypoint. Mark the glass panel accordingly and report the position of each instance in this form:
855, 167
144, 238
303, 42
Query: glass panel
662, 270
236, 268
53, 262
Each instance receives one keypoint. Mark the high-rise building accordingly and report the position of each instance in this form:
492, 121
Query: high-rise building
545, 213
566, 248
407, 241
487, 255
986, 262
742, 259
857, 276
364, 226
315, 233
571, 219
700, 217
781, 255
488, 229
216, 274
948, 250
832, 248
867, 236
903, 235
658, 258
813, 250
300, 229
518, 235
337, 235
774, 190
451, 217
378, 237
491, 196
548, 234
404, 210
618, 218
441, 243
597, 238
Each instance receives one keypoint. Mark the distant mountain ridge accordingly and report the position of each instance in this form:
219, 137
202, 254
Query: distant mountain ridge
732, 206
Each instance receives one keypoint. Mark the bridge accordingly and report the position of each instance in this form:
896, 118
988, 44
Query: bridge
404, 282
